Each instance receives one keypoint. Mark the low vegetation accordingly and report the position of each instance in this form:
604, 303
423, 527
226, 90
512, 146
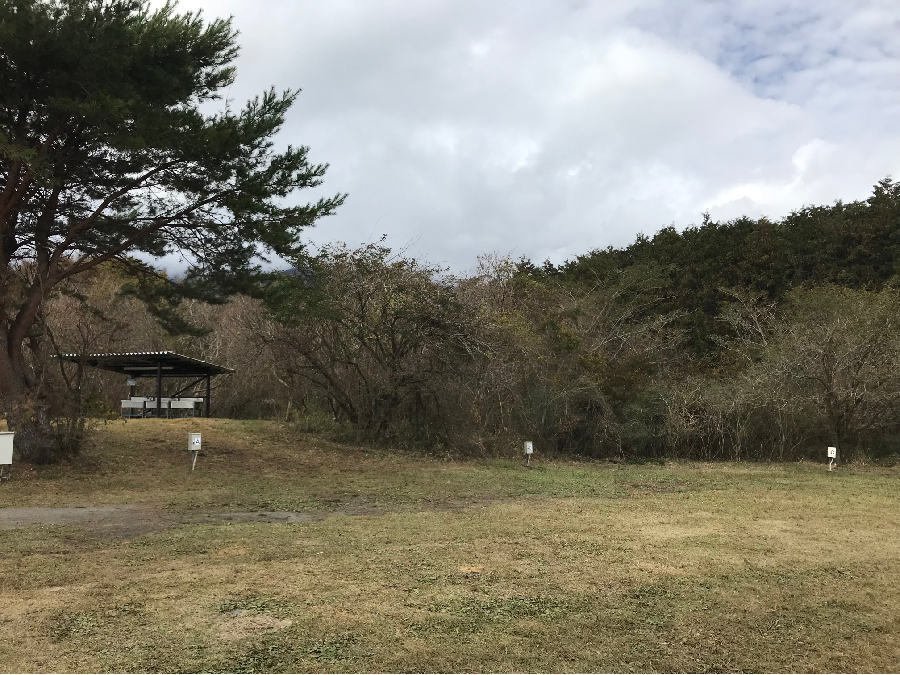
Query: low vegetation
285, 552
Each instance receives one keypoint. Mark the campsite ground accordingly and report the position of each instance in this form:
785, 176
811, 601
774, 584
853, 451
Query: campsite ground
284, 552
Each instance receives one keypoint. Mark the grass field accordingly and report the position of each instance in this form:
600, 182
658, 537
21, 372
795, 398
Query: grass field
283, 552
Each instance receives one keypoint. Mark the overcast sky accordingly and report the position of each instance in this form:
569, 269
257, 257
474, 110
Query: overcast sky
547, 129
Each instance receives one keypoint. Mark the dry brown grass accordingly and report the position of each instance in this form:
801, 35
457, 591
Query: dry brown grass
417, 565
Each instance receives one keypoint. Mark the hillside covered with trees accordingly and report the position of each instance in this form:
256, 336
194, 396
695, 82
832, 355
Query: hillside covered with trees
747, 339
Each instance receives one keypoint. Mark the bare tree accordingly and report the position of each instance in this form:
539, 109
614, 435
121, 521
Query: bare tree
379, 335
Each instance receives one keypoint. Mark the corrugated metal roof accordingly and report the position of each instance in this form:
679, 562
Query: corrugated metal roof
147, 364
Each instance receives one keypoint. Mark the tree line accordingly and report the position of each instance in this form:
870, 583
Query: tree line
746, 339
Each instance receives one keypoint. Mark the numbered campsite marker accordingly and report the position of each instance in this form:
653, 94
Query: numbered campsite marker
529, 450
194, 448
832, 455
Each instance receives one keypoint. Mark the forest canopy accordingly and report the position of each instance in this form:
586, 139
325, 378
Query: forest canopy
744, 339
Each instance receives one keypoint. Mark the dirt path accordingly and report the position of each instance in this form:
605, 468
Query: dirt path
120, 520
132, 520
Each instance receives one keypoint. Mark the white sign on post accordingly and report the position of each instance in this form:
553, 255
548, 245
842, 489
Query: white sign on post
194, 448
6, 447
529, 450
832, 457
6, 453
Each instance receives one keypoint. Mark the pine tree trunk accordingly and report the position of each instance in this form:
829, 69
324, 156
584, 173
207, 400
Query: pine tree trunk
26, 407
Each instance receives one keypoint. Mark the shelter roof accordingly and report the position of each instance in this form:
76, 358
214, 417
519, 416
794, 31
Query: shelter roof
145, 364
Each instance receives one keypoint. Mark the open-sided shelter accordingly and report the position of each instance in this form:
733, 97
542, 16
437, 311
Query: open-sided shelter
157, 365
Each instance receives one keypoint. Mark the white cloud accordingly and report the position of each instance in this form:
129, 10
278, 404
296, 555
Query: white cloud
546, 129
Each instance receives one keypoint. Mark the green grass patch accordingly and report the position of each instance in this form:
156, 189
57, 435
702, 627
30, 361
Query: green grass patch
410, 564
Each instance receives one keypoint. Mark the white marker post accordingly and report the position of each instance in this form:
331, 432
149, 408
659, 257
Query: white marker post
6, 452
832, 455
194, 448
529, 450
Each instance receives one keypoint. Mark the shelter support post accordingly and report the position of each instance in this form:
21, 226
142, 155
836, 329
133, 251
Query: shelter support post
159, 389
207, 395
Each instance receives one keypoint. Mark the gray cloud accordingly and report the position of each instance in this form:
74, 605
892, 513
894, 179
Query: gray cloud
546, 129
